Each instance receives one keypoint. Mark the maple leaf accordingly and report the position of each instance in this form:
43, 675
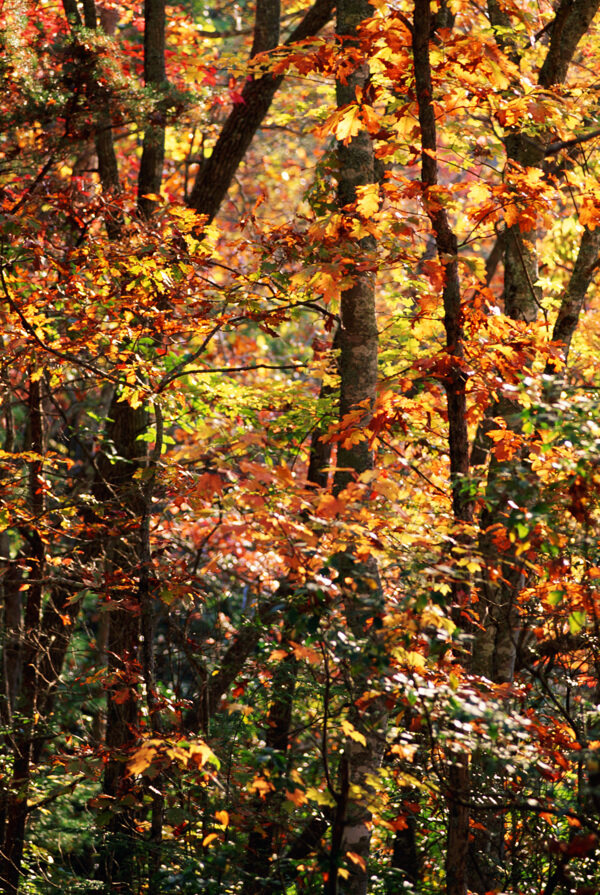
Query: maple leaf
344, 124
367, 202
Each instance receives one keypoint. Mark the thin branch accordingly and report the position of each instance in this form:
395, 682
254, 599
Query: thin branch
553, 148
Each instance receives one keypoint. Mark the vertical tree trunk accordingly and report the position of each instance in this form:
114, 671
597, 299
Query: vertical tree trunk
358, 341
505, 573
122, 498
457, 780
26, 703
153, 152
267, 814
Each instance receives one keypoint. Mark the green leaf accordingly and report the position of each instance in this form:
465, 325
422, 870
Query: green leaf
576, 622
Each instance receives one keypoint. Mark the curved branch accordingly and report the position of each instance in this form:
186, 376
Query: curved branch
216, 172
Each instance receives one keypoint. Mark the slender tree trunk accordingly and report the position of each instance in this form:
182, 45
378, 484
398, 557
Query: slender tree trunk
358, 340
122, 498
153, 151
216, 172
267, 814
505, 573
26, 704
457, 771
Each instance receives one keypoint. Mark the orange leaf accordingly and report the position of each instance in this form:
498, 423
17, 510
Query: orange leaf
297, 797
357, 859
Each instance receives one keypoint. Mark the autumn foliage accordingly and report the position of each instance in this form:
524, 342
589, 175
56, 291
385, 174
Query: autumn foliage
299, 433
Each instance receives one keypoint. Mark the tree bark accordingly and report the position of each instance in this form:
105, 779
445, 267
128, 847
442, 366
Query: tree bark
216, 172
267, 813
455, 387
26, 704
505, 574
153, 151
358, 340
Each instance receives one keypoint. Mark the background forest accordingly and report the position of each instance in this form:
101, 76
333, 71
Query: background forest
299, 368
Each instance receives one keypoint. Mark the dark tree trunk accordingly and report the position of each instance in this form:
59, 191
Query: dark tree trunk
153, 151
216, 172
455, 386
26, 703
358, 341
505, 573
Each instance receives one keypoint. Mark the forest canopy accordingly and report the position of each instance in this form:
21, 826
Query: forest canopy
299, 439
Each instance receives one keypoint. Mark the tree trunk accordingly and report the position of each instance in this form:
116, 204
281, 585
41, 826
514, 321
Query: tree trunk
216, 172
153, 151
457, 782
505, 573
26, 703
358, 340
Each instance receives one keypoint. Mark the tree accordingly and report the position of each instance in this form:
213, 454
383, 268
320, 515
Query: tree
299, 387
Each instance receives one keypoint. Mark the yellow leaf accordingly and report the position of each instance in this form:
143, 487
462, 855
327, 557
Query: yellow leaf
367, 202
410, 658
349, 125
141, 759
350, 731
479, 192
433, 616
200, 753
321, 797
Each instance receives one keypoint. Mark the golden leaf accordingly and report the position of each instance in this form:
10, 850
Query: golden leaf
367, 202
356, 859
349, 125
353, 733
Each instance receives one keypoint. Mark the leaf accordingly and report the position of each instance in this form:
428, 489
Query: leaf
321, 797
261, 786
357, 859
350, 731
200, 754
576, 621
367, 202
348, 125
307, 653
222, 817
297, 797
142, 758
